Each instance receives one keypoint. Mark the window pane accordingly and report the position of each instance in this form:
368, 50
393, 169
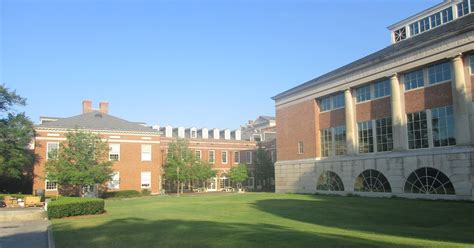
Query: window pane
439, 73
384, 134
338, 101
366, 139
447, 14
326, 143
442, 120
340, 140
363, 93
417, 130
382, 89
414, 80
325, 104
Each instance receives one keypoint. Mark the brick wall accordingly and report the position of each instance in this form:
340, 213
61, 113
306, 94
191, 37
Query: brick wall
332, 118
374, 109
428, 97
297, 123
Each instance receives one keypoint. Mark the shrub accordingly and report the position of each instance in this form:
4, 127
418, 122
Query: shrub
122, 194
75, 206
146, 192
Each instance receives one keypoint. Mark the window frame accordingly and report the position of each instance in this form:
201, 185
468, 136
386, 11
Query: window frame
115, 173
421, 130
300, 147
48, 150
226, 157
338, 140
141, 180
196, 154
386, 88
144, 152
367, 93
248, 157
447, 120
368, 127
110, 151
379, 135
439, 69
213, 161
417, 73
236, 157
46, 188
326, 139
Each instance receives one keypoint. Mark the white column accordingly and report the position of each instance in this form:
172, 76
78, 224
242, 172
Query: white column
461, 103
397, 115
350, 123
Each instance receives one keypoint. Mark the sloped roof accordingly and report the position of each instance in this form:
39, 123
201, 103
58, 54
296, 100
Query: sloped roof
96, 120
455, 27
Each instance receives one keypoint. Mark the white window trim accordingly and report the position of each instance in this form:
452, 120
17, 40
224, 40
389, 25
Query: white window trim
111, 150
47, 148
236, 161
300, 147
151, 152
113, 174
46, 186
141, 181
226, 157
247, 157
209, 156
200, 154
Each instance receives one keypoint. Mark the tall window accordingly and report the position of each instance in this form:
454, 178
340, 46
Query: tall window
417, 130
326, 142
463, 8
363, 93
193, 134
325, 104
51, 149
198, 154
439, 73
211, 157
224, 157
338, 101
384, 134
447, 14
115, 182
471, 58
249, 157
340, 140
51, 186
443, 126
236, 157
145, 179
146, 152
300, 147
366, 140
414, 80
382, 89
114, 152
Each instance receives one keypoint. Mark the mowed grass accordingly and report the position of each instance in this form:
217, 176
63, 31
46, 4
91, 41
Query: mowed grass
271, 220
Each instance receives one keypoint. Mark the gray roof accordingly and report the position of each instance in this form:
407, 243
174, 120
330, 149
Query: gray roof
96, 120
443, 32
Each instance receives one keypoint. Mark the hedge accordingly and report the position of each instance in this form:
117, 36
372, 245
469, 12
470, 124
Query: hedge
122, 194
75, 206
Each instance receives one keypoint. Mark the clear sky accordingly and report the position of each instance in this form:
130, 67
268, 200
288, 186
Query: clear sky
206, 63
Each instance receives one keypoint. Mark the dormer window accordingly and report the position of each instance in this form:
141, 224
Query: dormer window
400, 34
463, 8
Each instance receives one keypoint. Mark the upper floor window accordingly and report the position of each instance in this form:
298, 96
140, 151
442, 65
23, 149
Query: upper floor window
400, 34
114, 152
326, 104
193, 134
332, 102
414, 29
366, 134
224, 157
198, 154
472, 5
414, 80
443, 126
382, 89
249, 157
363, 93
471, 58
435, 19
340, 140
424, 24
439, 73
338, 101
146, 152
463, 8
211, 157
236, 157
447, 14
51, 149
300, 147
417, 130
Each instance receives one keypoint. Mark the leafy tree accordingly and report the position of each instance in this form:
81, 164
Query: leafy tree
16, 132
82, 160
264, 167
179, 163
238, 174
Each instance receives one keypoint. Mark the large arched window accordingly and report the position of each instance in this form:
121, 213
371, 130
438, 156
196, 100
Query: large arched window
330, 181
428, 180
372, 181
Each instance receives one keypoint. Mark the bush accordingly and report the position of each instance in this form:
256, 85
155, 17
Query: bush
146, 192
75, 206
122, 194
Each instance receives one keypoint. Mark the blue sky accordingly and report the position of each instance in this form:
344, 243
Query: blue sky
190, 63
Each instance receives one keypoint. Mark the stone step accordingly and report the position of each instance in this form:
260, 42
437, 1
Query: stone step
14, 214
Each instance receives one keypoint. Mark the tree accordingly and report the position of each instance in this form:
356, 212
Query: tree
16, 133
81, 160
264, 168
238, 174
179, 163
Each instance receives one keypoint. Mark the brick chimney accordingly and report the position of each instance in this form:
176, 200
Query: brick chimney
86, 106
104, 107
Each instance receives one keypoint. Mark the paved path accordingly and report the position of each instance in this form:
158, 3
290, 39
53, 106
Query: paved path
20, 234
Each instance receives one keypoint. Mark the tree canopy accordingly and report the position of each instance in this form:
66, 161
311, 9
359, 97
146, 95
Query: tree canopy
16, 133
238, 174
81, 160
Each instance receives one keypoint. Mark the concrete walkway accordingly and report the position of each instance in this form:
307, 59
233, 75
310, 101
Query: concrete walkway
19, 234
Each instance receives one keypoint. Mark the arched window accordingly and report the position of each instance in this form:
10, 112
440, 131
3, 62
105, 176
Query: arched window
372, 181
330, 181
428, 180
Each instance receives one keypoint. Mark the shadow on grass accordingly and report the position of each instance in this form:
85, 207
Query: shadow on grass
430, 220
136, 232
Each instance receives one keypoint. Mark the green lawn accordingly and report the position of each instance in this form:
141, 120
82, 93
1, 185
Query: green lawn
271, 220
